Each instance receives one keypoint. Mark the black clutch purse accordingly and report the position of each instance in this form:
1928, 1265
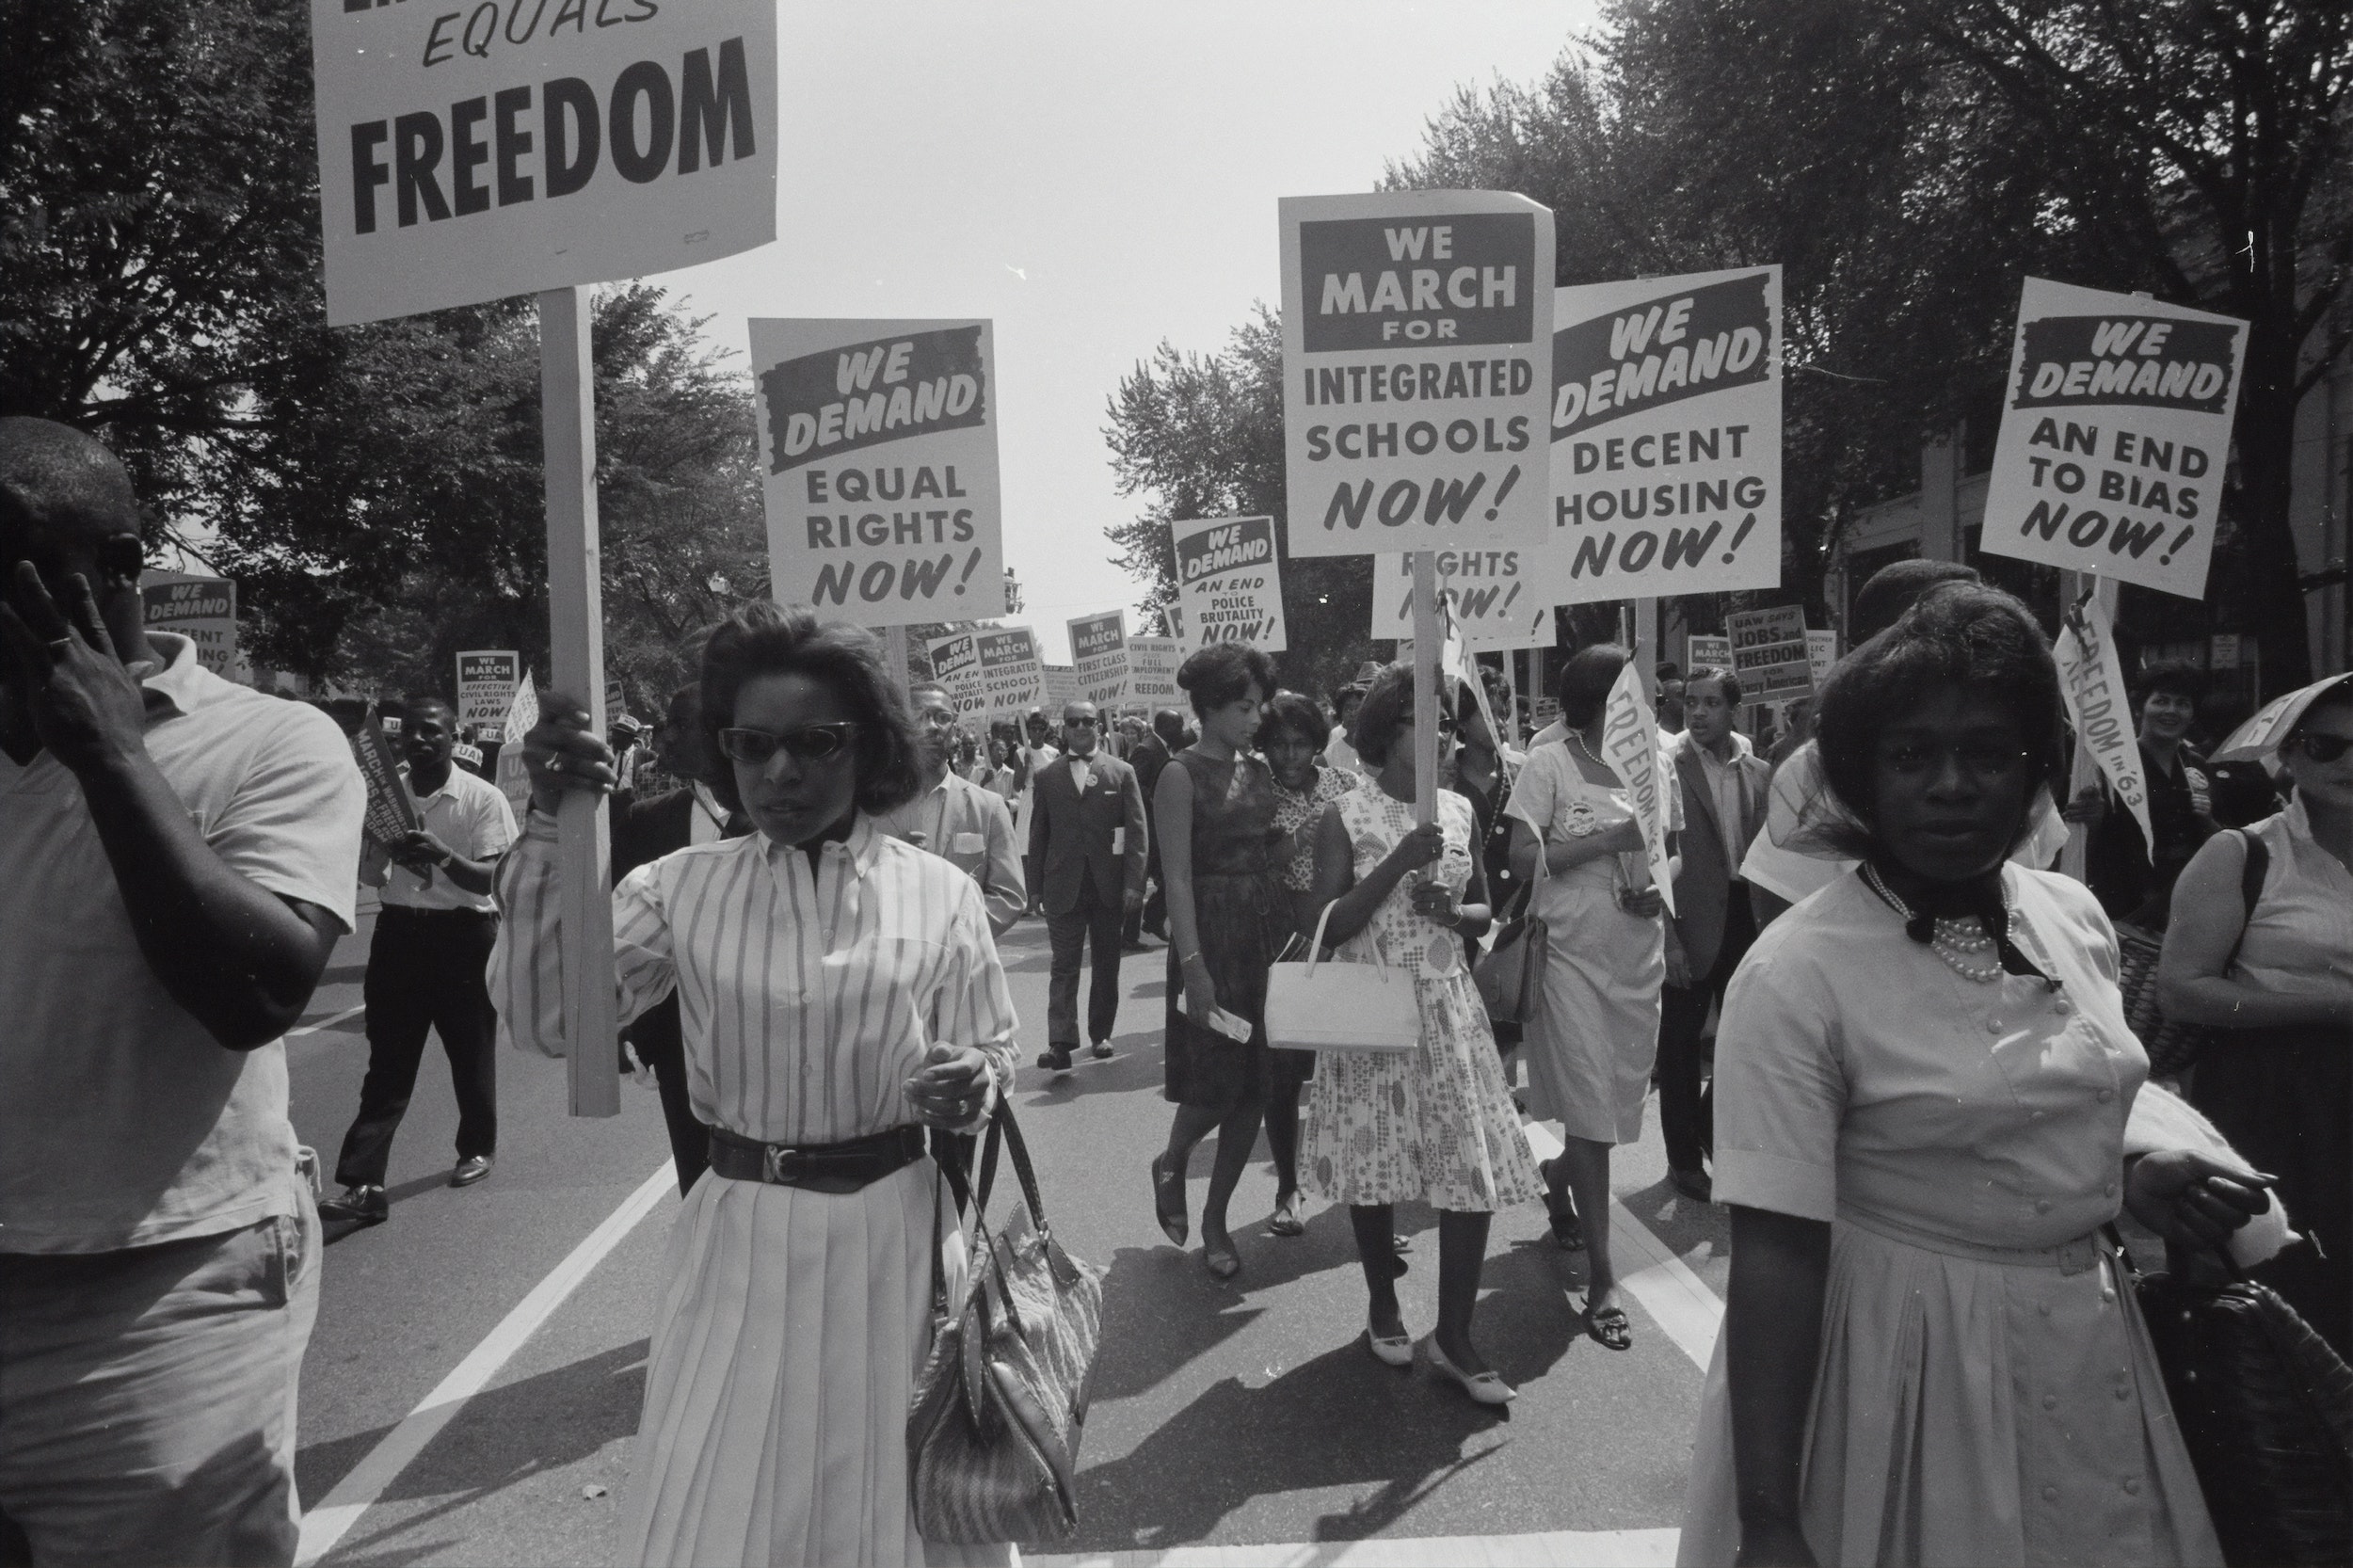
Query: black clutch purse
2266, 1409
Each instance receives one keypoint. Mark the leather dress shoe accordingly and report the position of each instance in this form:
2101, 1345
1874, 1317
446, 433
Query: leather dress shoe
1696, 1185
357, 1206
470, 1170
1056, 1060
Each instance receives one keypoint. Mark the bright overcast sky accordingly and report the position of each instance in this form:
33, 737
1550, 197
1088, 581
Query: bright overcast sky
1094, 178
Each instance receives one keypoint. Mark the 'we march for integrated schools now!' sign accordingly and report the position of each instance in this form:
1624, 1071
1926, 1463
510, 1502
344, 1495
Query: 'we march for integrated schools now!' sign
878, 456
470, 152
1230, 583
2115, 434
1416, 328
1666, 435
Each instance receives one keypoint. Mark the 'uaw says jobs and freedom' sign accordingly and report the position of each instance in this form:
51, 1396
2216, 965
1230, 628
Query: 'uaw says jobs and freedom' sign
1416, 333
878, 454
1666, 435
483, 147
2116, 427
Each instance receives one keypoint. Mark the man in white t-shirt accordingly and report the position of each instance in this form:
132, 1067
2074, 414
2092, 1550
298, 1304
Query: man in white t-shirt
425, 966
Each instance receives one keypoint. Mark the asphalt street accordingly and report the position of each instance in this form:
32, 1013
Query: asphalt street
1225, 1414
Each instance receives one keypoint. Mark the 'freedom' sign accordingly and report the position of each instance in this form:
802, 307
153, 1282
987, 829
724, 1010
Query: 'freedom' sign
475, 150
878, 451
2116, 428
1416, 370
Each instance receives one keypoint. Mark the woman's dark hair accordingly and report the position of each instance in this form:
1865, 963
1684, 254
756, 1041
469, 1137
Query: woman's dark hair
1298, 715
1960, 634
2176, 676
762, 638
1222, 672
1388, 713
1724, 677
1586, 676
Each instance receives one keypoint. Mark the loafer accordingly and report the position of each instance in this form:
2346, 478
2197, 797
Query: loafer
1101, 1050
470, 1170
358, 1205
1054, 1060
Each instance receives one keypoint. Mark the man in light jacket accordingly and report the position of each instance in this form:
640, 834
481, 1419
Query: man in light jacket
1725, 786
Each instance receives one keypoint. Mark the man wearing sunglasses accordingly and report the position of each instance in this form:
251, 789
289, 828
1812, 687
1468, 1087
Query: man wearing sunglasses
956, 819
1088, 837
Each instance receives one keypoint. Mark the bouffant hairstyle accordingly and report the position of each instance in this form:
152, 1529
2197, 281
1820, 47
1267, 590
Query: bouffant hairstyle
1888, 593
762, 638
1959, 633
2178, 676
1294, 713
1388, 713
1586, 676
1222, 672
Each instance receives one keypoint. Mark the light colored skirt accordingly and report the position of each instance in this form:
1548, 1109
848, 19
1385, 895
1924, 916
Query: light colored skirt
1435, 1123
1972, 1412
779, 1377
1589, 1048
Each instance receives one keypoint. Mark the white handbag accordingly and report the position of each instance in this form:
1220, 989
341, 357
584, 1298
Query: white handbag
1340, 1006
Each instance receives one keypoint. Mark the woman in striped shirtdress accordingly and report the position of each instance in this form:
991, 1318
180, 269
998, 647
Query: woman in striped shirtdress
836, 987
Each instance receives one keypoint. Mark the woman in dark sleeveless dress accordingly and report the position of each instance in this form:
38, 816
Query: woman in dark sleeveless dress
1226, 920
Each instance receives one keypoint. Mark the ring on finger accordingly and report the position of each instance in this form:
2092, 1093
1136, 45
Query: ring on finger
61, 646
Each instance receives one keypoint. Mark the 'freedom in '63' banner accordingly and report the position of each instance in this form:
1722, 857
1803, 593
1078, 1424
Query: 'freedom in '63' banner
1666, 435
878, 451
1417, 345
1231, 583
2116, 428
469, 151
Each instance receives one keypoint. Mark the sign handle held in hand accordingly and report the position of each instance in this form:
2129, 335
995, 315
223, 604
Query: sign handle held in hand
576, 622
1428, 630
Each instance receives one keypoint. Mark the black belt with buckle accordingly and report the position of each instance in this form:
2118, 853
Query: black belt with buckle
844, 1167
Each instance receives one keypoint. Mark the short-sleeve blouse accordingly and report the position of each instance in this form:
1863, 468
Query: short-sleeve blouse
1856, 1072
1292, 811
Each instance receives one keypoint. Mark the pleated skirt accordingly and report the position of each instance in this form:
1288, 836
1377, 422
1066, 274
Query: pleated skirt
1974, 1414
779, 1377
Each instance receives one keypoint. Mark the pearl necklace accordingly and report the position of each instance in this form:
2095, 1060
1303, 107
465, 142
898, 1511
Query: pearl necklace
1589, 751
1956, 941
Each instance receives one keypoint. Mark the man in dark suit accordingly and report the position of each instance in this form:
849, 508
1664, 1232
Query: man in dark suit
1725, 786
1149, 754
1088, 837
645, 830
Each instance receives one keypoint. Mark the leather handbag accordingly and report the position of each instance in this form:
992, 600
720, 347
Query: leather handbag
1324, 1004
2173, 1047
1000, 1402
2266, 1409
1511, 973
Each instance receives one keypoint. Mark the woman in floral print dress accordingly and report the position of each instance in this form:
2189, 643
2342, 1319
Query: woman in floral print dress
1436, 1123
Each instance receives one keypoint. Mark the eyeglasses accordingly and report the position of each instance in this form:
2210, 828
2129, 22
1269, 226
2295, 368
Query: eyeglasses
1080, 724
813, 744
2319, 747
936, 718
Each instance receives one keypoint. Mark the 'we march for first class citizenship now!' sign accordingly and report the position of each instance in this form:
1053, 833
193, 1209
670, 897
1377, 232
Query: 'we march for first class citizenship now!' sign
469, 151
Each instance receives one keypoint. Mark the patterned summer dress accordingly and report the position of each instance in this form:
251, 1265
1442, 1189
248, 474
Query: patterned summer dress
1438, 1123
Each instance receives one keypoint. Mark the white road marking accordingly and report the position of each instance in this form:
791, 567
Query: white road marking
325, 1525
1651, 1548
1676, 1298
328, 1022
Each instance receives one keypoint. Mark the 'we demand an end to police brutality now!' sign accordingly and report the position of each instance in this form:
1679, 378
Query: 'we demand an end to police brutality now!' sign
1230, 583
1416, 345
1666, 435
472, 151
2116, 427
878, 457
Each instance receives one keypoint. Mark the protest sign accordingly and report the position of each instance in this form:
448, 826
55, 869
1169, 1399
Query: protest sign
1231, 584
487, 680
1771, 653
1058, 685
1011, 679
509, 773
202, 609
2100, 705
956, 665
1666, 435
391, 811
878, 457
469, 152
1821, 651
1415, 330
2116, 430
1098, 647
1632, 747
1498, 599
1705, 651
1152, 665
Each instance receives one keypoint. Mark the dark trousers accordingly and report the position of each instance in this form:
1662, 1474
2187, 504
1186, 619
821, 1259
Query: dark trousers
424, 972
661, 1046
1687, 1101
1092, 919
